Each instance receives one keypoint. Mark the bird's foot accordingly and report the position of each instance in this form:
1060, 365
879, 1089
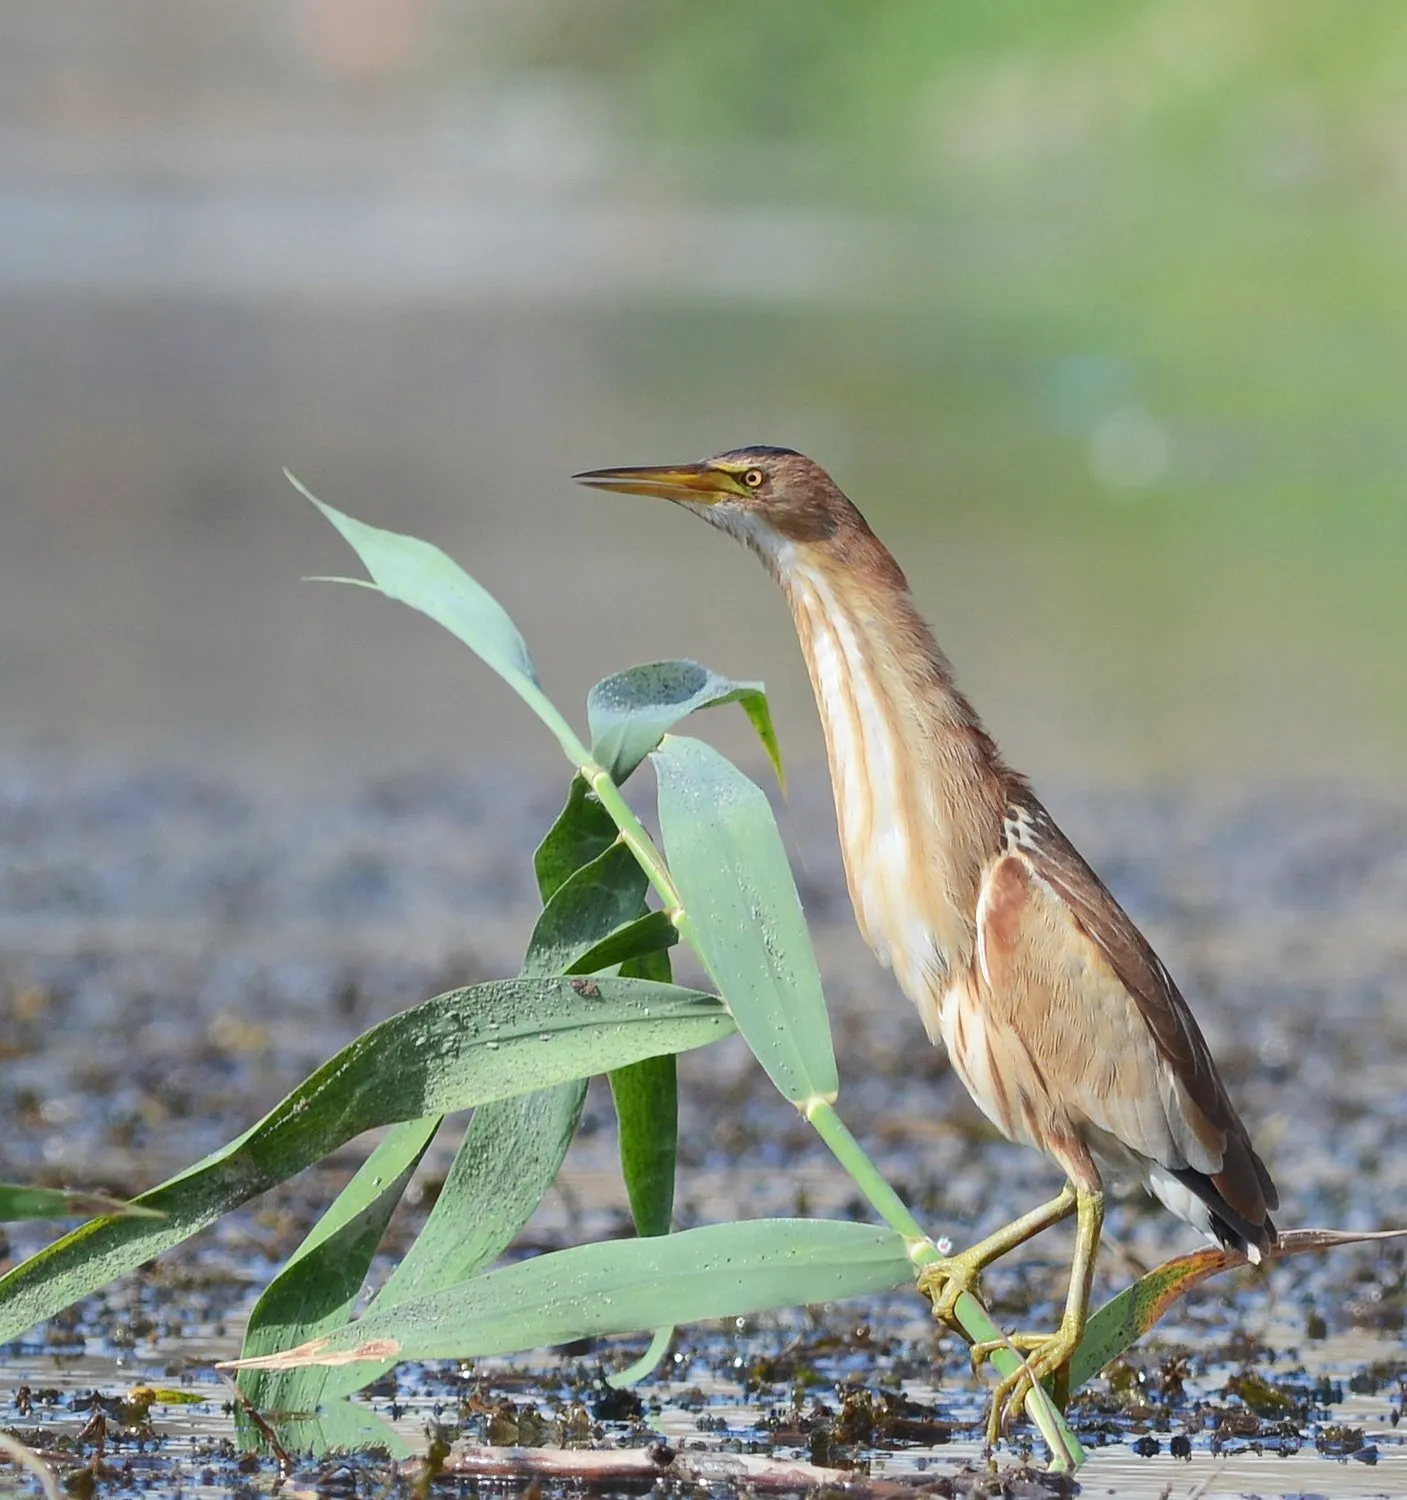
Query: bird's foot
1044, 1354
944, 1281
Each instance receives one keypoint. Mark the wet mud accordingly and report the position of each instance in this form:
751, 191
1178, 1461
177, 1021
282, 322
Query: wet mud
177, 951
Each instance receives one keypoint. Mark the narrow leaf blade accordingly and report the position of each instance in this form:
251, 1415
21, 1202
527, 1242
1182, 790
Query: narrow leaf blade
646, 1096
646, 936
18, 1202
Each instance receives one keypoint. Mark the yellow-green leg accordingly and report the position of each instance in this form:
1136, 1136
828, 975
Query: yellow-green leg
944, 1281
1047, 1352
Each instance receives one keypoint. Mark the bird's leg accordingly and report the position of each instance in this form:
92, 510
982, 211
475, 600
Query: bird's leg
944, 1281
1047, 1353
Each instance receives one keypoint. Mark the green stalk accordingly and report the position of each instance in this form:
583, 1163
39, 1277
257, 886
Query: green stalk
640, 844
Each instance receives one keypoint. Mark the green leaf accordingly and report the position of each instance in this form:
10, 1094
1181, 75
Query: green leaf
653, 933
18, 1202
420, 575
648, 1363
318, 1287
510, 1155
646, 1096
602, 887
593, 902
620, 1286
461, 1049
632, 711
727, 859
583, 830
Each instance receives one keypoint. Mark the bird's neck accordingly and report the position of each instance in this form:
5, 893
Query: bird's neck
919, 786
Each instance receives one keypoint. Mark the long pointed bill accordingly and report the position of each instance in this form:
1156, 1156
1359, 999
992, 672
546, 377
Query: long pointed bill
699, 483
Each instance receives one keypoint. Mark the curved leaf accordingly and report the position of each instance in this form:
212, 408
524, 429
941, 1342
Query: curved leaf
460, 1049
420, 575
583, 830
318, 1287
631, 712
727, 859
620, 1286
591, 904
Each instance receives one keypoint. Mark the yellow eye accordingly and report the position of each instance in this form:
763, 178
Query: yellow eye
754, 478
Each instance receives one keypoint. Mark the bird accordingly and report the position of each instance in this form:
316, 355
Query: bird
1057, 1015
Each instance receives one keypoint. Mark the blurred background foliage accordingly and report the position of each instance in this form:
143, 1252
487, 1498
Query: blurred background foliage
1095, 309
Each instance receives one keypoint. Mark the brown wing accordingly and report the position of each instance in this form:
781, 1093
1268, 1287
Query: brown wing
1238, 1185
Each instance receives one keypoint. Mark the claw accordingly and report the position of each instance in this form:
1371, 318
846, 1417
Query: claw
1024, 1343
944, 1281
1044, 1355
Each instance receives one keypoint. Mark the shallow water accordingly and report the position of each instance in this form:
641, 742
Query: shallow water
180, 950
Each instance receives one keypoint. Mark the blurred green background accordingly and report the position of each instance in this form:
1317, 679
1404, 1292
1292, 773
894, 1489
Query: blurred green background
1095, 309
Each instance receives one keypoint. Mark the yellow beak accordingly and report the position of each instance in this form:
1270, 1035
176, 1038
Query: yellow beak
702, 484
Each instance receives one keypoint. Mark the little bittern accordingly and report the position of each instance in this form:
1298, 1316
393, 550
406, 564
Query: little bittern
1057, 1015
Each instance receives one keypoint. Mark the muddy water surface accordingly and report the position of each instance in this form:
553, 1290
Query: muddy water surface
177, 951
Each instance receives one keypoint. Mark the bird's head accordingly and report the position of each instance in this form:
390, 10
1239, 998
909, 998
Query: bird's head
766, 497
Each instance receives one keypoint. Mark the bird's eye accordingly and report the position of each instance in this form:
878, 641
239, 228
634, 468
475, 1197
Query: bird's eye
753, 479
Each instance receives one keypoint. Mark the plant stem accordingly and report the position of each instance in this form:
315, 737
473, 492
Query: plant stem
886, 1202
976, 1322
638, 841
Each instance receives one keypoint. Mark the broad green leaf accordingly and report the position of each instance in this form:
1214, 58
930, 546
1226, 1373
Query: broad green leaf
461, 1049
592, 903
420, 575
318, 1287
727, 859
18, 1202
632, 711
620, 1286
510, 1155
583, 830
